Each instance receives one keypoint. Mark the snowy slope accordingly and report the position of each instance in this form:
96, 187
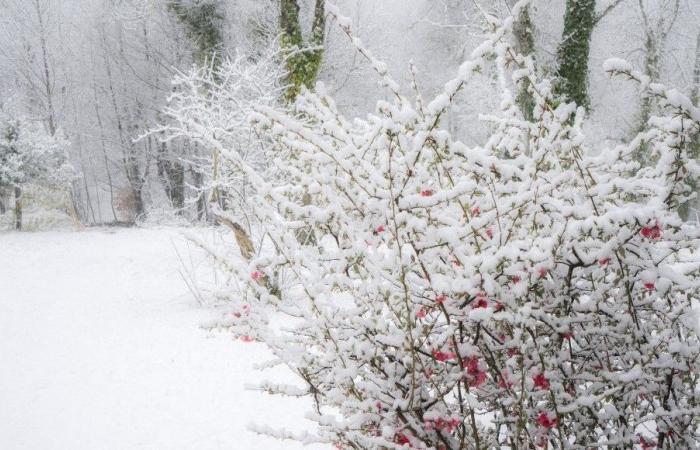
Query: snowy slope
101, 348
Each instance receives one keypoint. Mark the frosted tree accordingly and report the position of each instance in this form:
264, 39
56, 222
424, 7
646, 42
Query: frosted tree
458, 299
203, 22
656, 25
210, 108
31, 155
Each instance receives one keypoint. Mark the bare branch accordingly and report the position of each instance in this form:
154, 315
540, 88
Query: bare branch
607, 10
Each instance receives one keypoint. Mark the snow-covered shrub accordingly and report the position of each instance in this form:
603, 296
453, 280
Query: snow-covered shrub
161, 216
33, 160
517, 294
28, 153
44, 207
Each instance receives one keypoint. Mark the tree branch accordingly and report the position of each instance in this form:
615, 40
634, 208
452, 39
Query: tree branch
607, 10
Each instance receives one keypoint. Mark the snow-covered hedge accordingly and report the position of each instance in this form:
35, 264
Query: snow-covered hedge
513, 295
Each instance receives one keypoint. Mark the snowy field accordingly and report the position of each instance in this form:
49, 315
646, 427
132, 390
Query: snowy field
101, 348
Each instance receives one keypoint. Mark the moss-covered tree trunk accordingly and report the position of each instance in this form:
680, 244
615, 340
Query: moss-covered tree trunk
303, 61
652, 60
524, 32
574, 49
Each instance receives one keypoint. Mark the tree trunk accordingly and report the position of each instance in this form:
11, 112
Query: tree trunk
690, 207
201, 197
303, 63
651, 69
47, 80
172, 174
103, 146
695, 89
523, 29
18, 208
138, 201
574, 49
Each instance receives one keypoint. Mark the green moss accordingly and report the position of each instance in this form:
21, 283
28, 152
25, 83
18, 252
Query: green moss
303, 60
203, 24
574, 49
523, 30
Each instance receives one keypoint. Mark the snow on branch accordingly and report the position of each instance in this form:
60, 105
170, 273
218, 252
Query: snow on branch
516, 294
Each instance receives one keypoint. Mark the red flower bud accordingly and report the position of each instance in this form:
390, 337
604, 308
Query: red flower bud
443, 356
481, 303
652, 233
545, 421
441, 299
541, 381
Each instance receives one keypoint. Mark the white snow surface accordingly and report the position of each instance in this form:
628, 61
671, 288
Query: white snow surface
101, 348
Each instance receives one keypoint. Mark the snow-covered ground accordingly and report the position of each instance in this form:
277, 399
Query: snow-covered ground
101, 348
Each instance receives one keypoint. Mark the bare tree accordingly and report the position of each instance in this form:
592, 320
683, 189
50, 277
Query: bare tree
655, 31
